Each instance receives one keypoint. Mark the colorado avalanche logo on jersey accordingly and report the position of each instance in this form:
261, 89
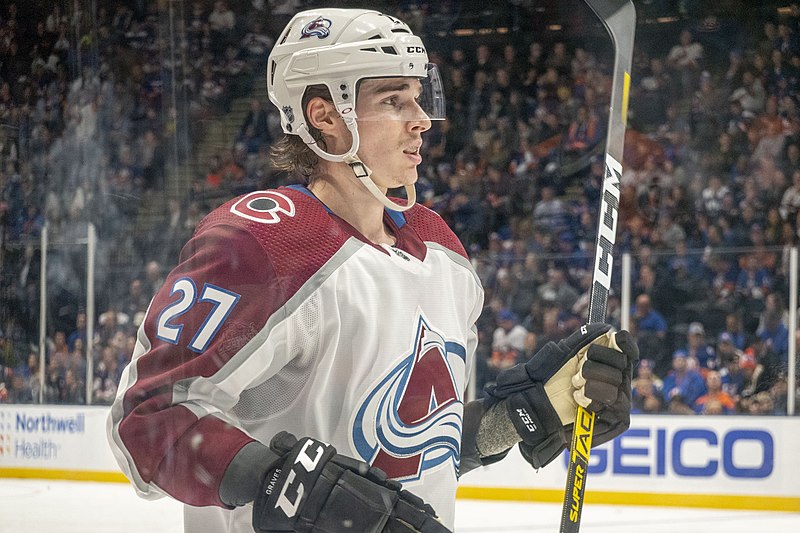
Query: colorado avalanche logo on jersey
410, 421
320, 28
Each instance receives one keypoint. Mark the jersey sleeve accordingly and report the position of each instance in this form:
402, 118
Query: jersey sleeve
170, 427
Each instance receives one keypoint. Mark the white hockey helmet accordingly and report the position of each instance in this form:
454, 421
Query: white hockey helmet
338, 48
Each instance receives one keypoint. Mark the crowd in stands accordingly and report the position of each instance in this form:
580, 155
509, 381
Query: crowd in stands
88, 121
709, 196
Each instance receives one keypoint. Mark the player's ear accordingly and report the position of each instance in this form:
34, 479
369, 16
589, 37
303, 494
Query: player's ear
322, 115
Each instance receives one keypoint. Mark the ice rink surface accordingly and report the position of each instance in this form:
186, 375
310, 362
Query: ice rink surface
37, 506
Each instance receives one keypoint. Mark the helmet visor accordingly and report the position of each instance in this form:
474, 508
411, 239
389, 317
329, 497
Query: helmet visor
402, 98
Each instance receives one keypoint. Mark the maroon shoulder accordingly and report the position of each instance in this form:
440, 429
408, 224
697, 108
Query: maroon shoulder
295, 231
258, 249
431, 228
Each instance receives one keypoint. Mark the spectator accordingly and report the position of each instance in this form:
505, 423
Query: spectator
729, 356
59, 351
73, 390
754, 280
650, 327
213, 178
77, 360
653, 282
557, 290
668, 231
232, 171
584, 131
109, 323
153, 277
749, 380
106, 377
708, 103
786, 41
646, 370
699, 350
19, 391
735, 328
80, 331
715, 400
779, 394
254, 129
774, 309
652, 95
722, 281
236, 72
761, 403
256, 44
685, 59
54, 384
677, 405
713, 197
750, 95
29, 372
683, 381
212, 89
508, 342
646, 398
221, 21
136, 300
550, 213
774, 334
9, 152
790, 202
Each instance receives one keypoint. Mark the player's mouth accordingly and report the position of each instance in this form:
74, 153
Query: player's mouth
413, 154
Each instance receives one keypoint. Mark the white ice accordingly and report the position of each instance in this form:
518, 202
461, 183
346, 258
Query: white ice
39, 506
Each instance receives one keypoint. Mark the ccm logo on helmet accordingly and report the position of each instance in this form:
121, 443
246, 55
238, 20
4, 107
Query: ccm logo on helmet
415, 50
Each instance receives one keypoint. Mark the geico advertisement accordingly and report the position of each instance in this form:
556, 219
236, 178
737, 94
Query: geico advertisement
731, 455
658, 454
56, 437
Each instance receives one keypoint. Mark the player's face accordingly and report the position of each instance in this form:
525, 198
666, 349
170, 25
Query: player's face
390, 127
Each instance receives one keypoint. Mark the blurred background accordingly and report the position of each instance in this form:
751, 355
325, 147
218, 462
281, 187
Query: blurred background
123, 123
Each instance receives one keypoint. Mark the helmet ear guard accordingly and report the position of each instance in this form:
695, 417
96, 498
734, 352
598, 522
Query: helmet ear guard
338, 48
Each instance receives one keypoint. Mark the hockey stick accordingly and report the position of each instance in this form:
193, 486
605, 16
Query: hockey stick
619, 18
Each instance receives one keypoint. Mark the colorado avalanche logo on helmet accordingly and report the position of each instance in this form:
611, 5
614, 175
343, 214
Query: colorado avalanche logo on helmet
410, 421
320, 28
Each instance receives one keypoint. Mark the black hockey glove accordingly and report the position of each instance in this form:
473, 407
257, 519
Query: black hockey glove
316, 490
593, 367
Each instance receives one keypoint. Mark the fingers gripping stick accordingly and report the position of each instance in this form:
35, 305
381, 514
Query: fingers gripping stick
591, 367
604, 371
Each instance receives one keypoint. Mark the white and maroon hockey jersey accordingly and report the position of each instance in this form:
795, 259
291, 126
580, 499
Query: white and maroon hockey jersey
281, 316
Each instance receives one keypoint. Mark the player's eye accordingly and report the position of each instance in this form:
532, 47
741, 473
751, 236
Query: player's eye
392, 101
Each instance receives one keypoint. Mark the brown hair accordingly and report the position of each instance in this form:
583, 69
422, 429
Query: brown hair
290, 153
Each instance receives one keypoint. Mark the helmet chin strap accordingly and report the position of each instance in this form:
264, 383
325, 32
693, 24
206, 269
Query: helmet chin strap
360, 170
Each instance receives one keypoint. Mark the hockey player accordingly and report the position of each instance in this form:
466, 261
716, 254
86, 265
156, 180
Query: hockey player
303, 368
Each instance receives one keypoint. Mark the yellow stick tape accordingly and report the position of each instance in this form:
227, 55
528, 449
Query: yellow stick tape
626, 85
706, 501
